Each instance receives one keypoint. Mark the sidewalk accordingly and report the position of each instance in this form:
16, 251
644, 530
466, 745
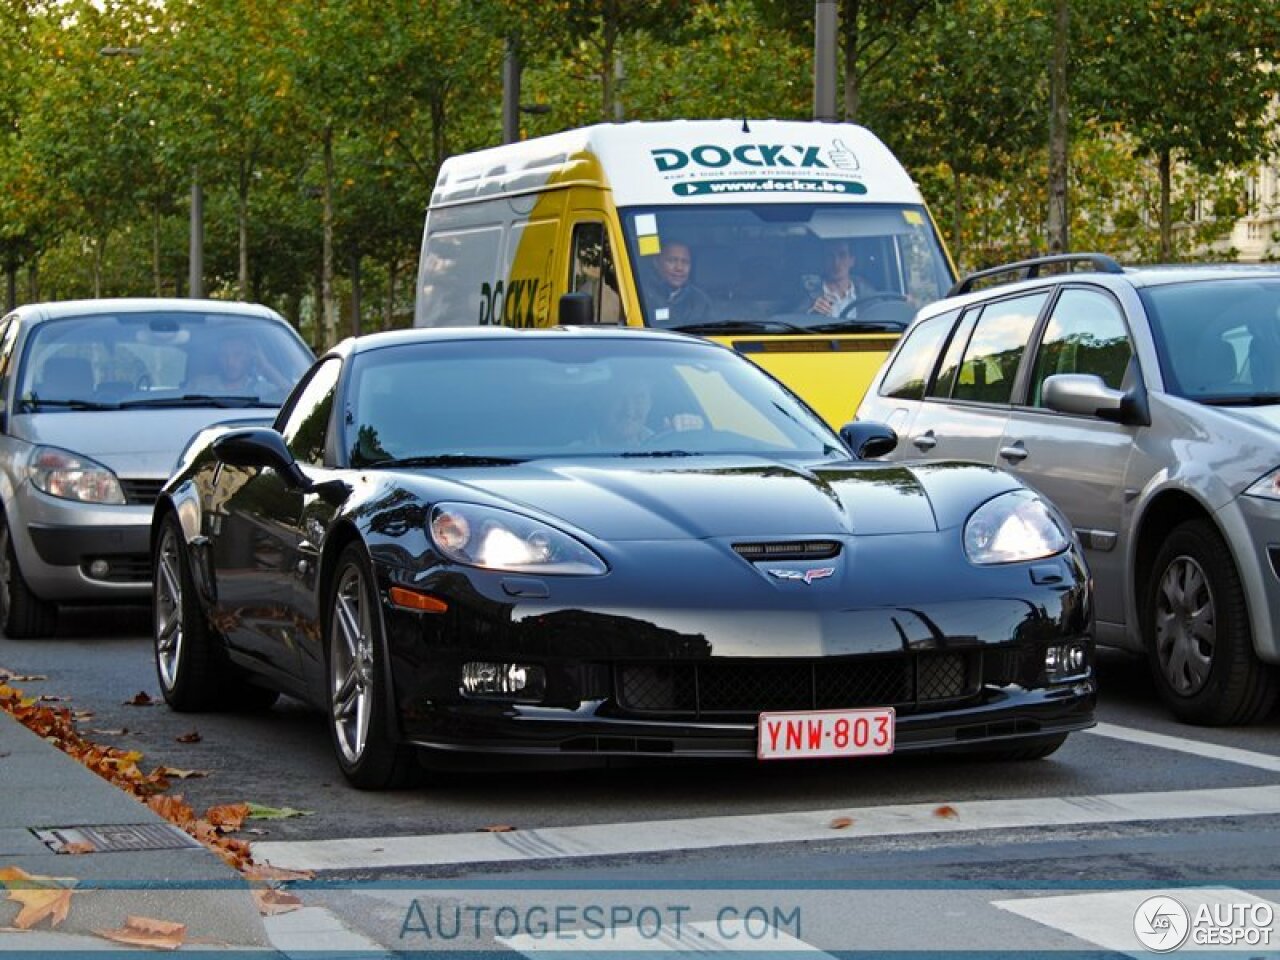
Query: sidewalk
153, 870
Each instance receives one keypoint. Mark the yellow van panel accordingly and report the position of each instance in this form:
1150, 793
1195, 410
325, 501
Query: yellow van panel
831, 373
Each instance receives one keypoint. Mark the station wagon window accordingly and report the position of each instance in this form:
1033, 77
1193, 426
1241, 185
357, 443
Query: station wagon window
306, 425
1086, 333
946, 378
999, 339
907, 375
591, 270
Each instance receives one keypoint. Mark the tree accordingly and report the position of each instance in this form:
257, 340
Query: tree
1190, 81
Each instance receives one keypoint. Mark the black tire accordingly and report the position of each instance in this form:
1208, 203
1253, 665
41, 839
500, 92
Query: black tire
1033, 748
1195, 625
188, 666
356, 682
191, 661
23, 615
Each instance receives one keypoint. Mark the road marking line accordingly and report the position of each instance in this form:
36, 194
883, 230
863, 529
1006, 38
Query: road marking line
695, 939
303, 932
1199, 748
657, 836
1106, 919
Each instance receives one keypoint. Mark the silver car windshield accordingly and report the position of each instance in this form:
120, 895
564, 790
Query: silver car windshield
785, 268
1219, 340
467, 403
117, 361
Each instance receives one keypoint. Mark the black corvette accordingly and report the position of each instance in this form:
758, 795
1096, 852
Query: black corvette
608, 542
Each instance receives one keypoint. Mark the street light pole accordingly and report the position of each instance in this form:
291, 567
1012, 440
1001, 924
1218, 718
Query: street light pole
511, 91
195, 279
824, 60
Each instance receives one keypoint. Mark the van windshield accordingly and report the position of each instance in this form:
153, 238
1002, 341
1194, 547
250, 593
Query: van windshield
785, 268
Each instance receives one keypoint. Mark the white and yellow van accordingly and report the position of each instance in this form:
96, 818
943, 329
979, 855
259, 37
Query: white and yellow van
756, 204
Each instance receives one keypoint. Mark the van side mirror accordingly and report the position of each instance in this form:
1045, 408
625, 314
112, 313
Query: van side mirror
576, 310
867, 439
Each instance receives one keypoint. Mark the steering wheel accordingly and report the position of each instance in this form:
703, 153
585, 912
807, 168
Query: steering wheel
869, 299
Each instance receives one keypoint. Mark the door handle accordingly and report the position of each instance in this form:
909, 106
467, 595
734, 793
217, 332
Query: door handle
926, 441
1014, 452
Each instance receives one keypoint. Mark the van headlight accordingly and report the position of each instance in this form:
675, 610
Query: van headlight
61, 473
1011, 528
499, 540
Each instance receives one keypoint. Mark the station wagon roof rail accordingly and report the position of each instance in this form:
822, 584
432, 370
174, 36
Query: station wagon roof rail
1029, 269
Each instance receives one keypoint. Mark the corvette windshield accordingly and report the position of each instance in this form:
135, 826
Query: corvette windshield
785, 268
1219, 340
469, 403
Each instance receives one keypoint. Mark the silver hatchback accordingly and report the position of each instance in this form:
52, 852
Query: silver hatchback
1146, 404
97, 400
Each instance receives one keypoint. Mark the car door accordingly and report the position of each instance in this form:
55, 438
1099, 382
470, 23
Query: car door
260, 541
1080, 462
966, 407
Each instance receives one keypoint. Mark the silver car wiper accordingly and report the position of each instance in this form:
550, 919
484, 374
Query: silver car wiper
197, 400
33, 404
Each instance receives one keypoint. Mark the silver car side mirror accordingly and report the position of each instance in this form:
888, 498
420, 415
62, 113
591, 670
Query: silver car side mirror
1082, 393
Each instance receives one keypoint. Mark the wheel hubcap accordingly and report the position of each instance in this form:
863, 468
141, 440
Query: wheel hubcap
351, 665
168, 610
1186, 629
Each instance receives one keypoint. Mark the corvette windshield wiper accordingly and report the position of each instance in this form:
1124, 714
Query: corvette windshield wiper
448, 460
197, 400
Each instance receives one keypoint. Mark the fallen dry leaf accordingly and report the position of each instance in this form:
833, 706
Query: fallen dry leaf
266, 872
229, 817
147, 932
140, 699
497, 828
258, 812
839, 823
271, 902
41, 897
177, 774
192, 737
174, 809
947, 811
78, 846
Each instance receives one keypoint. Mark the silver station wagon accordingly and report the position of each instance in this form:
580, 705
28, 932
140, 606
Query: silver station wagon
97, 400
1146, 404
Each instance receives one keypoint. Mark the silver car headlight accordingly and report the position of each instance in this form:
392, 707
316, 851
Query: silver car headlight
1013, 527
61, 473
499, 540
1267, 487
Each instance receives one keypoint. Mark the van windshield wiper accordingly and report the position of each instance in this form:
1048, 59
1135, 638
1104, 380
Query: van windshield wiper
741, 326
197, 400
448, 460
859, 326
1249, 400
33, 403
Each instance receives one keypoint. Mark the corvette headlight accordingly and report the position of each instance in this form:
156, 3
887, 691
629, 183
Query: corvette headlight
499, 540
1267, 487
1012, 527
61, 473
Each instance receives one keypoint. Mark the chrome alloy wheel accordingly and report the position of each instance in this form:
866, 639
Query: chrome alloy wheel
351, 665
1185, 626
167, 608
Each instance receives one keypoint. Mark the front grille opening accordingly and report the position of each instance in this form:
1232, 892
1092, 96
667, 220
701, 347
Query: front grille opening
788, 550
141, 491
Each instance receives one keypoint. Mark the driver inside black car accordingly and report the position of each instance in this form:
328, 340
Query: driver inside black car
626, 418
835, 292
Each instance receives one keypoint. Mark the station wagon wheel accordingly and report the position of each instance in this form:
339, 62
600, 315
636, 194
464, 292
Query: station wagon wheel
1197, 632
185, 660
358, 697
23, 615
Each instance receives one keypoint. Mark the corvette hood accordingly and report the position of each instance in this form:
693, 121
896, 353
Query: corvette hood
725, 497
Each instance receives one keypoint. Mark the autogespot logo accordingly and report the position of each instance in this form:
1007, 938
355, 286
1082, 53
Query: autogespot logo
1161, 924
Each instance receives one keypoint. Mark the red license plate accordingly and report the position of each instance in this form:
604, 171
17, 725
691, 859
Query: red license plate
825, 733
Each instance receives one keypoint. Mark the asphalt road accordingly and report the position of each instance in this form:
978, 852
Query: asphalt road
968, 871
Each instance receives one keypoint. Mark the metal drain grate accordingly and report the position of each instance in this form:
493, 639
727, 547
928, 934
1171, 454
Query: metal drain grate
116, 838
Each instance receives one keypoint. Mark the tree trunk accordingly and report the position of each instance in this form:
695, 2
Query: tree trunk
439, 142
852, 84
33, 280
242, 226
389, 307
609, 30
99, 255
11, 283
327, 295
355, 292
957, 215
157, 283
1059, 131
1166, 216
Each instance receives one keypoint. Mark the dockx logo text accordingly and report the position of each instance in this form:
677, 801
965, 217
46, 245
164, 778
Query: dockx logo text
770, 155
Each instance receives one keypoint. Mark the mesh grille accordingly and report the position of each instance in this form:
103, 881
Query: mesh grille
751, 686
141, 491
1001, 667
790, 550
122, 568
